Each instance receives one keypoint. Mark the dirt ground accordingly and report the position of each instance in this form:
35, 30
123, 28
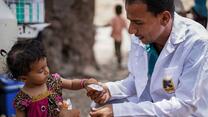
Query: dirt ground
105, 57
81, 101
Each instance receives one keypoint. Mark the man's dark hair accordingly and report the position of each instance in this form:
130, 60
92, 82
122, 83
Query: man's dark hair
22, 55
118, 9
156, 6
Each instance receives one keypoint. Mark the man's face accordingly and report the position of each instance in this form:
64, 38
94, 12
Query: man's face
143, 23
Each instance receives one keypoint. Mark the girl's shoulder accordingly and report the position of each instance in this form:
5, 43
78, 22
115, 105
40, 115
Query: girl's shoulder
55, 86
54, 83
54, 77
22, 101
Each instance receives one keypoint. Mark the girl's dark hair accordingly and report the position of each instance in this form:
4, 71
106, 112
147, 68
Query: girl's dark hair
22, 55
156, 6
118, 9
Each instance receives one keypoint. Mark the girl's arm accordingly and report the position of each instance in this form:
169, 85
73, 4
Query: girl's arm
76, 84
20, 113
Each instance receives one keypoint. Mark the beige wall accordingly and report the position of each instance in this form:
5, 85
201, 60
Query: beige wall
188, 4
104, 10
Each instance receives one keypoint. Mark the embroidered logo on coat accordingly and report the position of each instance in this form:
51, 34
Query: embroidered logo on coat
168, 85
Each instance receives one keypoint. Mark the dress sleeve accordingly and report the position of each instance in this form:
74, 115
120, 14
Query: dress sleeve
21, 101
55, 84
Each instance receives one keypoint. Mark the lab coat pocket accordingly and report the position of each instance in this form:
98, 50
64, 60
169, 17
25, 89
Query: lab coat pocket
169, 79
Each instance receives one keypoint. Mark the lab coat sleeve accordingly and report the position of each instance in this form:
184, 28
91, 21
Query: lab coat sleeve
122, 89
185, 101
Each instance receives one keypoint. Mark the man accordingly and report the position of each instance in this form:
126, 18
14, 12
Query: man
165, 60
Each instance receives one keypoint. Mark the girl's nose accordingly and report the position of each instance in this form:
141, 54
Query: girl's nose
47, 70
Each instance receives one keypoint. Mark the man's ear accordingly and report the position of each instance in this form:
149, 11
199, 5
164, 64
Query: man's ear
165, 18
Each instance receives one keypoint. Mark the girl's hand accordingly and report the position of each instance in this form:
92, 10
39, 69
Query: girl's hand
99, 96
90, 81
88, 85
65, 112
98, 92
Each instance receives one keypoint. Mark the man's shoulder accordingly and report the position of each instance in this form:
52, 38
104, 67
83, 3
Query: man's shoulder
196, 36
190, 31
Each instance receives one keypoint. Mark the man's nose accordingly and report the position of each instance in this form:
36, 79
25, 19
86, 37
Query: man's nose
132, 29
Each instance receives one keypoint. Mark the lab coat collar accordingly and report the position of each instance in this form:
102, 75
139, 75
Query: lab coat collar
178, 31
177, 34
137, 41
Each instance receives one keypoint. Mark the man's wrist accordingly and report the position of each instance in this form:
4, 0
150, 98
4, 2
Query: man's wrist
110, 106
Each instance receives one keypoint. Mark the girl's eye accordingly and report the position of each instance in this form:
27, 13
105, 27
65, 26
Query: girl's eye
40, 71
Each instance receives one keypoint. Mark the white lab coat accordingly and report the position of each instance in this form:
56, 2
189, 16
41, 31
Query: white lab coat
181, 60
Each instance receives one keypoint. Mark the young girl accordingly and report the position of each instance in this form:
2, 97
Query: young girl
42, 91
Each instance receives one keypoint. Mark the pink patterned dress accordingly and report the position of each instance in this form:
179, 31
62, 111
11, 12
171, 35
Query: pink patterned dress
43, 105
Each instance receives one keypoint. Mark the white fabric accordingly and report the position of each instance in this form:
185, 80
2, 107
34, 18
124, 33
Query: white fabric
8, 32
182, 60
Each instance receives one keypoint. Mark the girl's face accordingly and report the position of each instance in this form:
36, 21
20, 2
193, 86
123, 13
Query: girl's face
39, 73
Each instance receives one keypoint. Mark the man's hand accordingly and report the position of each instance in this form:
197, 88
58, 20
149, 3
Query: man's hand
105, 111
100, 97
69, 113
